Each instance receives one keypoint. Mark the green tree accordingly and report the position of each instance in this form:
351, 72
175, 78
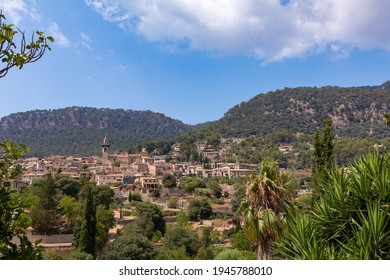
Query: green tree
205, 210
169, 181
182, 219
242, 242
13, 55
71, 209
102, 195
152, 213
266, 196
87, 235
323, 149
135, 196
45, 214
13, 221
105, 217
214, 140
178, 237
67, 185
215, 188
199, 209
172, 203
131, 245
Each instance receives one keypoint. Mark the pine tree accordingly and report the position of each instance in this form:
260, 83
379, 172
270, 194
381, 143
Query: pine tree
45, 214
87, 235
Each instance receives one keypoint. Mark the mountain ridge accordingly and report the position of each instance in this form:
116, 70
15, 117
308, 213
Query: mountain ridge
355, 111
79, 130
303, 109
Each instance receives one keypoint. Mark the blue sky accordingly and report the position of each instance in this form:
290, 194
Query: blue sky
193, 59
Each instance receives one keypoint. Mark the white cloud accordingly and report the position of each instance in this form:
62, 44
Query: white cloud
85, 40
59, 37
16, 10
267, 29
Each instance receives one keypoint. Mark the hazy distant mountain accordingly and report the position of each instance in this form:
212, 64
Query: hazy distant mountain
355, 111
80, 130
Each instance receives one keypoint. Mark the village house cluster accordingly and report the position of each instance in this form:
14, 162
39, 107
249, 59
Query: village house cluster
122, 168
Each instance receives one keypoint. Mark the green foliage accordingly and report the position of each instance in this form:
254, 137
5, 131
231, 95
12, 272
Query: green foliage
172, 203
177, 237
242, 242
350, 218
199, 209
189, 184
182, 219
173, 254
13, 221
10, 152
214, 140
267, 197
169, 181
105, 217
13, 55
135, 197
205, 254
131, 246
55, 254
102, 195
87, 235
229, 254
215, 188
159, 147
152, 213
238, 197
71, 209
45, 214
67, 185
323, 149
156, 193
205, 210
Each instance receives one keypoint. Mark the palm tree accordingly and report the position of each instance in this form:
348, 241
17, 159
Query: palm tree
349, 220
267, 194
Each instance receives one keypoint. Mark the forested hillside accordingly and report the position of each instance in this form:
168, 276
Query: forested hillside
355, 111
80, 130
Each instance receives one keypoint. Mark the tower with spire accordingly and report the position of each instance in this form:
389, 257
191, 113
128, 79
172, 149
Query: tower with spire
105, 151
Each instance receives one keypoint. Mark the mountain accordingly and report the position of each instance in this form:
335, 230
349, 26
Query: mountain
355, 111
80, 130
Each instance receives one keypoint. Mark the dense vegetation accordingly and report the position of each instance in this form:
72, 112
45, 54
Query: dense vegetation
348, 219
354, 111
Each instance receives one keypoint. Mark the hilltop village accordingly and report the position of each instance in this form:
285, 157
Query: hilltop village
140, 172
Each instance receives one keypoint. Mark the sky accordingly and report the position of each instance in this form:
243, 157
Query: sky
192, 60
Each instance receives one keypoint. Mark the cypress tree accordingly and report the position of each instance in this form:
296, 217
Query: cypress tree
87, 239
323, 149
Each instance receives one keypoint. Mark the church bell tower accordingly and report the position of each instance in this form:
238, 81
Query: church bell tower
105, 151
